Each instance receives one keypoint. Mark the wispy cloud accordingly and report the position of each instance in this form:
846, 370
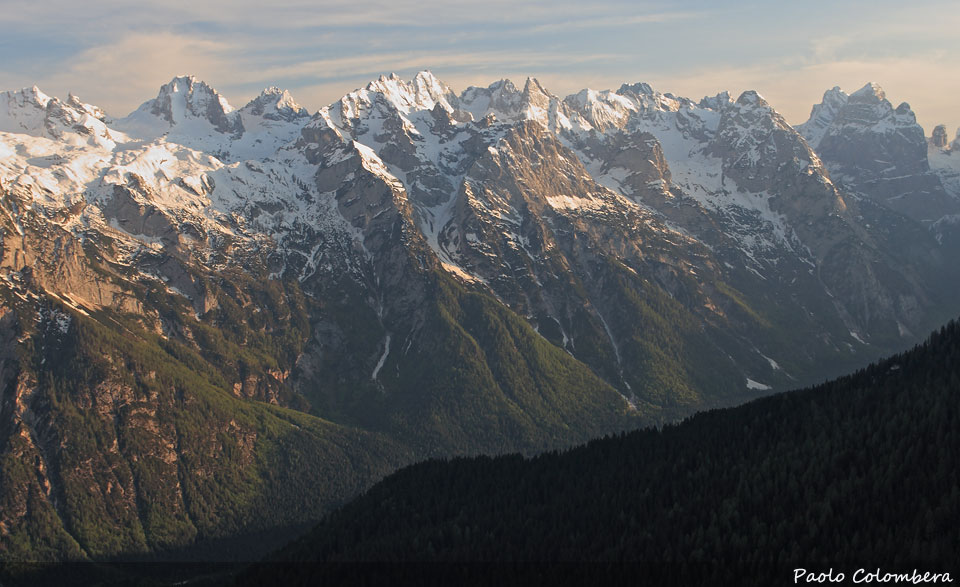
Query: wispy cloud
121, 75
116, 53
615, 21
494, 60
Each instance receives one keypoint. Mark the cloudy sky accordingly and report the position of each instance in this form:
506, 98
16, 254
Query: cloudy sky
116, 53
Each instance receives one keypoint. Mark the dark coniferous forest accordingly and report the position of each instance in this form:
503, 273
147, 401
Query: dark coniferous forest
858, 472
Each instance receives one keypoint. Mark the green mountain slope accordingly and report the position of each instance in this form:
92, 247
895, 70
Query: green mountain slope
130, 434
132, 444
470, 377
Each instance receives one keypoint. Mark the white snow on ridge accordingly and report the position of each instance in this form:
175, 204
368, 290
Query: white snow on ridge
199, 160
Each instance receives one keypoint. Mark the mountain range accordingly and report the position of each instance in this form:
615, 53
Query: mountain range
218, 321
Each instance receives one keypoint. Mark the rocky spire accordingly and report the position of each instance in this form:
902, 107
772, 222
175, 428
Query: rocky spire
939, 138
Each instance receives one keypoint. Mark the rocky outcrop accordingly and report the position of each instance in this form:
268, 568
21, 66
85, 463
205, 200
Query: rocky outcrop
939, 136
188, 97
879, 152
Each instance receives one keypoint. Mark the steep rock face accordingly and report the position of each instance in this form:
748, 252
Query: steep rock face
185, 99
822, 115
746, 183
576, 252
944, 161
878, 151
822, 226
426, 342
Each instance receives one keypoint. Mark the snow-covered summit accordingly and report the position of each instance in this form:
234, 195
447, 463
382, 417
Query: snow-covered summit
186, 104
423, 93
31, 112
752, 98
822, 115
878, 151
871, 93
506, 103
866, 110
274, 103
191, 113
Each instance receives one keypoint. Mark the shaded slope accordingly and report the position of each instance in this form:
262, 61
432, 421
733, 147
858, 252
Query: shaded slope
467, 376
862, 470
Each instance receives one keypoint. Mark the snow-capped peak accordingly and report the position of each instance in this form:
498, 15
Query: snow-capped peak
184, 99
34, 96
429, 89
95, 111
423, 93
506, 103
601, 110
872, 92
649, 99
752, 98
716, 102
274, 103
822, 115
500, 98
23, 111
753, 111
25, 99
31, 112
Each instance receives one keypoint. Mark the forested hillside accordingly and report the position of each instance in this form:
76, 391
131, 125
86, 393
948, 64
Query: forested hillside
858, 472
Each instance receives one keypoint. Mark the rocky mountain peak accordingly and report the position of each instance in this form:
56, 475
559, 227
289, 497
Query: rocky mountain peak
906, 115
23, 111
871, 93
386, 84
822, 115
939, 136
879, 151
274, 103
506, 103
865, 109
423, 93
532, 87
77, 104
715, 102
639, 88
34, 95
752, 98
501, 98
183, 99
601, 110
429, 89
752, 112
29, 111
194, 91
